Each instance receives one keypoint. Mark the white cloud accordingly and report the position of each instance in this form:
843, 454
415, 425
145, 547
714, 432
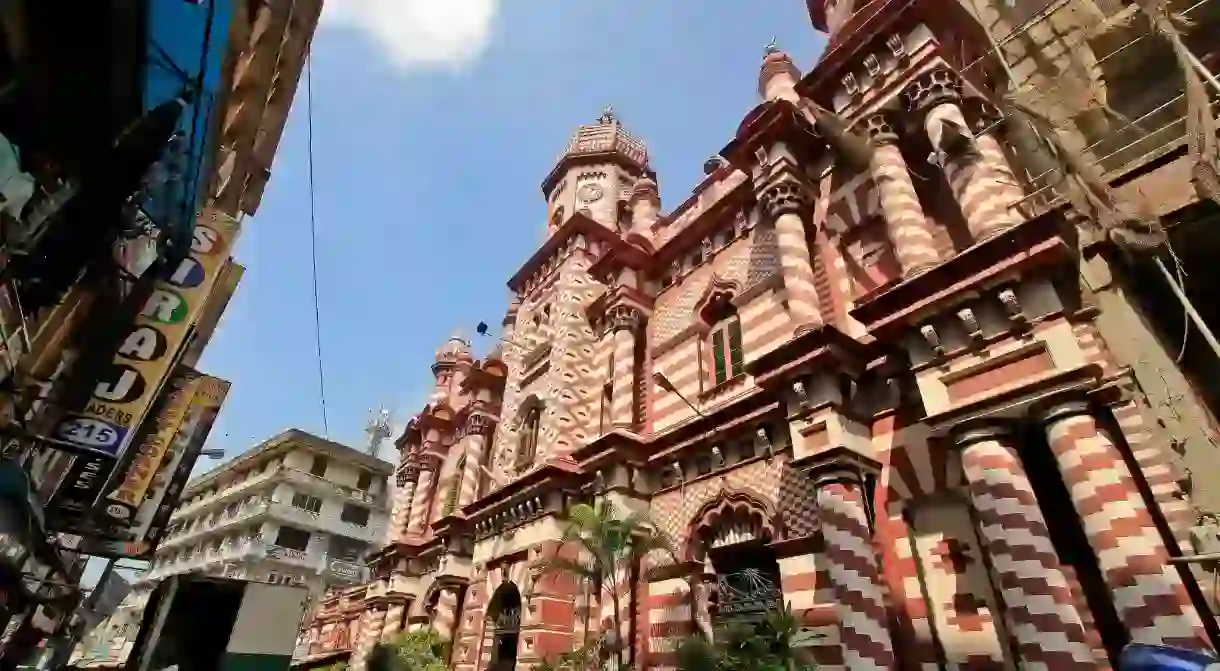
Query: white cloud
420, 33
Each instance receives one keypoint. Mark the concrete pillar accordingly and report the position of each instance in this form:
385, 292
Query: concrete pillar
1148, 592
1043, 617
787, 203
851, 564
905, 223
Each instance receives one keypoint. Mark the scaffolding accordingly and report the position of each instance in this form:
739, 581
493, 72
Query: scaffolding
1095, 91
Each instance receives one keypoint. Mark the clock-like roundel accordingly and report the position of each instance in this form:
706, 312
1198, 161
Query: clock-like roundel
589, 193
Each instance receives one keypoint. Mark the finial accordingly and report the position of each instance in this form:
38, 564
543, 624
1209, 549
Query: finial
607, 115
771, 48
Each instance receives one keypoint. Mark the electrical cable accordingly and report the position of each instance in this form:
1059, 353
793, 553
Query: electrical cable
313, 245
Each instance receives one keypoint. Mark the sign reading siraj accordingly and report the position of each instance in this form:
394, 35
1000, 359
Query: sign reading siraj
136, 378
128, 386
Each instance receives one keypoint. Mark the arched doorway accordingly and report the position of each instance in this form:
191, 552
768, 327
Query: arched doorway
504, 621
732, 540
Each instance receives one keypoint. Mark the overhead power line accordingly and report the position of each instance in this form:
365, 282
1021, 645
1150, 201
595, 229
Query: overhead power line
313, 247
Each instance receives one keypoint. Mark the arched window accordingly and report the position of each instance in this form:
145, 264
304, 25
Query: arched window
726, 359
527, 448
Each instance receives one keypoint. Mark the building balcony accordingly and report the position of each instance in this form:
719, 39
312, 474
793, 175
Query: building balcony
328, 489
206, 527
328, 524
226, 495
206, 560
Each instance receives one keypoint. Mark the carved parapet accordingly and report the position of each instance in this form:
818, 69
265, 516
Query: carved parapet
786, 196
932, 88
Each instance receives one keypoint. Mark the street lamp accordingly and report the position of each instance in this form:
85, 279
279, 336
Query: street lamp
664, 383
214, 453
481, 329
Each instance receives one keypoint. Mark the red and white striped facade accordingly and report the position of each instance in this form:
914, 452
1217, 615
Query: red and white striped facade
928, 432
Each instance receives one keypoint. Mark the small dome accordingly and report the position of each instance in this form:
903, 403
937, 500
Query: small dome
645, 186
457, 348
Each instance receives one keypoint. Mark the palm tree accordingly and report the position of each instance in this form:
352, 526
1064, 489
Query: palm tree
767, 646
608, 549
422, 650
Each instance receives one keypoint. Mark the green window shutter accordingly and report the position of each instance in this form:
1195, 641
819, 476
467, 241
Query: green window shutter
736, 357
718, 356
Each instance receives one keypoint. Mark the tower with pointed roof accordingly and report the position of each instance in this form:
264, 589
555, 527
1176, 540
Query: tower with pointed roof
595, 174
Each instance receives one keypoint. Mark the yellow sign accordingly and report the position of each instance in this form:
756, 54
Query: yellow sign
127, 389
124, 500
175, 470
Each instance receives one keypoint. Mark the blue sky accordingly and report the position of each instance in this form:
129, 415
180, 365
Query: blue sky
434, 122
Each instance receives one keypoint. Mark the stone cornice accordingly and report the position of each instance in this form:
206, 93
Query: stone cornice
825, 345
1040, 242
771, 122
884, 18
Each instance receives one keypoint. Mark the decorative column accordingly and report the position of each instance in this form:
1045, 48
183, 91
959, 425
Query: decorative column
1041, 610
982, 199
625, 322
404, 497
852, 566
478, 428
787, 203
996, 176
1148, 592
370, 633
428, 465
905, 223
393, 619
446, 612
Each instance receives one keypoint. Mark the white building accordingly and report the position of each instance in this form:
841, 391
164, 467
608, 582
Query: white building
296, 509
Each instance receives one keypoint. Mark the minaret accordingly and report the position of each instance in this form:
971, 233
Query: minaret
378, 429
595, 174
456, 350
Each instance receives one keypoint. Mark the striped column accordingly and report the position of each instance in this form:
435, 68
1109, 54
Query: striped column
1043, 617
370, 633
905, 223
445, 618
787, 203
851, 564
393, 620
982, 199
478, 428
995, 175
403, 498
423, 496
625, 322
1148, 593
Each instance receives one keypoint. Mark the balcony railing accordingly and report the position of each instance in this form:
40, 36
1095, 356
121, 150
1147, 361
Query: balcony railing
221, 520
220, 494
309, 479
